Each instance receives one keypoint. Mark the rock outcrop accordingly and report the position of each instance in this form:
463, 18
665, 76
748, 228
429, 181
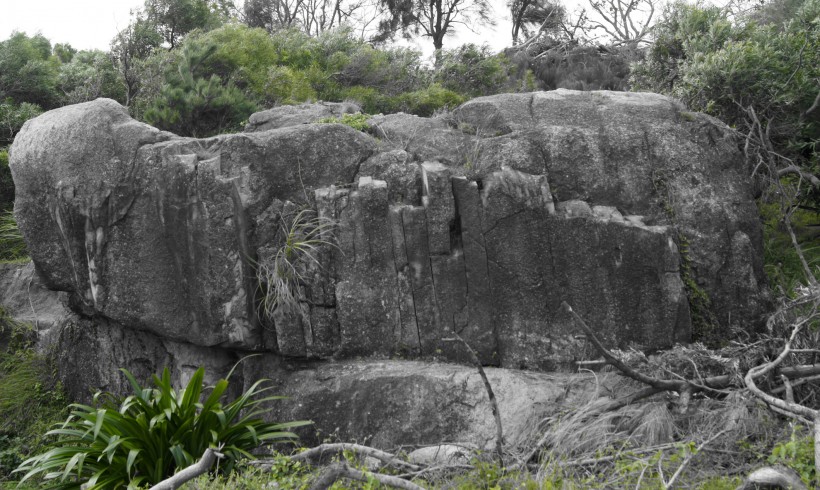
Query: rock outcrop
317, 242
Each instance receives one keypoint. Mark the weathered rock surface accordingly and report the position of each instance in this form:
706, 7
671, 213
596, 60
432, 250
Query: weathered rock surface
294, 115
479, 224
27, 299
386, 403
383, 403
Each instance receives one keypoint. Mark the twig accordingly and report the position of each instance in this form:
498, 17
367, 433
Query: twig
788, 388
342, 470
689, 457
499, 433
199, 468
431, 469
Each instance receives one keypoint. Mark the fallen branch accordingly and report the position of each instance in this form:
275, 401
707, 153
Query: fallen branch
773, 477
788, 407
342, 470
199, 468
499, 433
794, 169
318, 452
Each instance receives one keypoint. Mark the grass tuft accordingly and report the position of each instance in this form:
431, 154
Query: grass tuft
12, 245
280, 275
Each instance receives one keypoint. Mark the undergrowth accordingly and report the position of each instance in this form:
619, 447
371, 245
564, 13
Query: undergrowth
31, 400
781, 261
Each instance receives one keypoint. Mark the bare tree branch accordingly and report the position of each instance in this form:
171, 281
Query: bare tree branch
342, 470
199, 468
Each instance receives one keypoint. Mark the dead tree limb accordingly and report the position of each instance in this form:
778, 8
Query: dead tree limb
786, 407
773, 477
499, 433
318, 452
660, 384
199, 468
342, 470
794, 169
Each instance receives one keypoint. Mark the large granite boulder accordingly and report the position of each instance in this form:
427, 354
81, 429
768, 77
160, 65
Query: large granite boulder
385, 403
317, 241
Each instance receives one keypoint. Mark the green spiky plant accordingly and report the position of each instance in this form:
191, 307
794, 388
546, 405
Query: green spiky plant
280, 277
153, 433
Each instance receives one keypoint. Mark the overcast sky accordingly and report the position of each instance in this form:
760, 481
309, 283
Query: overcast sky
87, 24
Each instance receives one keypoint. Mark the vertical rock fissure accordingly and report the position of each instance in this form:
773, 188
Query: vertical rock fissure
412, 290
456, 247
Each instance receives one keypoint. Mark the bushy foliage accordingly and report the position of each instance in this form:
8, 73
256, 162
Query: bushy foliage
797, 453
722, 68
13, 116
173, 19
87, 76
758, 73
27, 70
194, 104
582, 68
146, 437
242, 57
472, 70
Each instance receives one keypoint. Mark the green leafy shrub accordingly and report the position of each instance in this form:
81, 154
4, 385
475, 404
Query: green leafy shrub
147, 436
424, 102
87, 76
472, 70
797, 453
355, 121
13, 116
28, 72
243, 57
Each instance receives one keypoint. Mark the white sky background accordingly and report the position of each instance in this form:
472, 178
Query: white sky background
91, 24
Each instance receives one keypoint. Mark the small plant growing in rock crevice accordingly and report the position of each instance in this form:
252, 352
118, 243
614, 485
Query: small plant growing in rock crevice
280, 275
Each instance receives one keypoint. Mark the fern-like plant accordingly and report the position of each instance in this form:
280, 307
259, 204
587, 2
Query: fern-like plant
152, 434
